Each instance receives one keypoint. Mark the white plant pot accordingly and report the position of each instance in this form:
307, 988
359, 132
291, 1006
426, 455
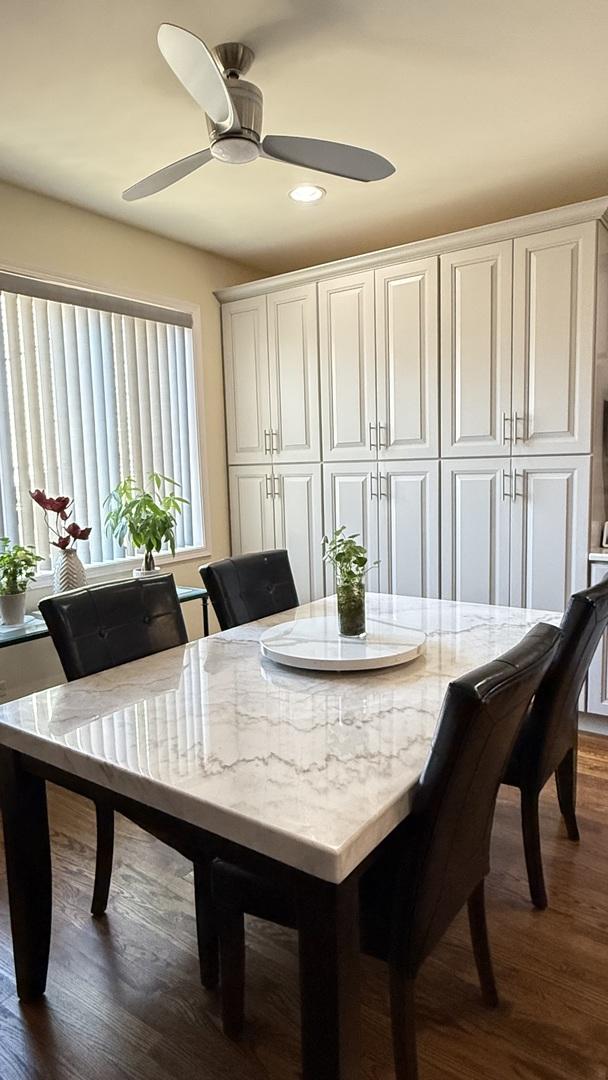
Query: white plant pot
12, 609
68, 572
139, 573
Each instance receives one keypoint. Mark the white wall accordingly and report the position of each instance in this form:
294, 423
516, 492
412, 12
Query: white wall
54, 239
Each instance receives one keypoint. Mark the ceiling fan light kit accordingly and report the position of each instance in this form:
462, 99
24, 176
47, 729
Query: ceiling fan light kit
234, 113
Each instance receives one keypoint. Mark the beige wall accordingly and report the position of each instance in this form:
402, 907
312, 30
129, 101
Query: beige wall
54, 239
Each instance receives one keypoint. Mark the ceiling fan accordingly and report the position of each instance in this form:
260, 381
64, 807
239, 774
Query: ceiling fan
233, 110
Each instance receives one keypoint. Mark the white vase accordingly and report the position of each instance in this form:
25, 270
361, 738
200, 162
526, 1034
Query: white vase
68, 572
12, 609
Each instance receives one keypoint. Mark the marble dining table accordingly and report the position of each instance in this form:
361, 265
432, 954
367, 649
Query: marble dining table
310, 770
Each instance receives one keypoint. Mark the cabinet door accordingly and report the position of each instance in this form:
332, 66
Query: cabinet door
409, 528
251, 508
553, 334
294, 374
597, 683
407, 370
475, 525
549, 530
247, 380
350, 498
298, 516
348, 367
476, 290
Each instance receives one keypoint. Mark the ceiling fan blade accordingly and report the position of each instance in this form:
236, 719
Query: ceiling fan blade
199, 73
340, 159
163, 178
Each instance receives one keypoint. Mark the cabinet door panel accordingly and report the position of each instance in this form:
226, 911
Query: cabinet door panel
251, 508
407, 360
350, 498
247, 379
409, 528
294, 375
348, 367
476, 350
553, 335
475, 523
549, 531
298, 515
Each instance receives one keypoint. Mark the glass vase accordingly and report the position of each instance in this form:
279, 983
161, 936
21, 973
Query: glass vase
351, 608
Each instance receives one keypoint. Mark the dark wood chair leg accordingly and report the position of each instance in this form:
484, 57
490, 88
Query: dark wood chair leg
28, 869
206, 931
103, 859
231, 933
403, 1021
565, 781
534, 862
481, 945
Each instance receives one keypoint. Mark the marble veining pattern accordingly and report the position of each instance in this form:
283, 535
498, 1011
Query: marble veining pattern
311, 768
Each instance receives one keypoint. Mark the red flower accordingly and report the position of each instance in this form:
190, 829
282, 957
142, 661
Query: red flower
62, 542
78, 534
58, 505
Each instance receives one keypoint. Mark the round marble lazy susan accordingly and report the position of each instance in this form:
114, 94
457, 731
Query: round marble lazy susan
316, 645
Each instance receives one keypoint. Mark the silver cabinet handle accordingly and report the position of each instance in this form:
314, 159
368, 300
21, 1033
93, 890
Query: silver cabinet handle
373, 494
383, 443
269, 488
507, 420
373, 429
267, 444
516, 476
384, 494
274, 441
520, 420
507, 494
276, 486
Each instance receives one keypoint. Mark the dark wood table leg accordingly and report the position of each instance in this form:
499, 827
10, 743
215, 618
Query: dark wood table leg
328, 925
28, 870
205, 616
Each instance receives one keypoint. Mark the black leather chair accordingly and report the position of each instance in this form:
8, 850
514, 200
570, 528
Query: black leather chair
548, 740
431, 865
250, 587
97, 628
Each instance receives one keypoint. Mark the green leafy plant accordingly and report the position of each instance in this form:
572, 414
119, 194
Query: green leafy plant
348, 558
146, 517
17, 567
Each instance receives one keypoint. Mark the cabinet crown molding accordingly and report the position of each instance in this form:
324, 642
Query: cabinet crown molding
574, 214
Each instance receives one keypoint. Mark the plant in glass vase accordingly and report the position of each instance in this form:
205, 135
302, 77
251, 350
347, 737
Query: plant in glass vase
68, 571
349, 560
17, 568
147, 518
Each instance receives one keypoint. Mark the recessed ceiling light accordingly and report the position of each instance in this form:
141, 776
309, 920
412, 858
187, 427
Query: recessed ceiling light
307, 193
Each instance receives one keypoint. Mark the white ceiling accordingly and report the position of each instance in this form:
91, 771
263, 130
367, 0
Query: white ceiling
488, 109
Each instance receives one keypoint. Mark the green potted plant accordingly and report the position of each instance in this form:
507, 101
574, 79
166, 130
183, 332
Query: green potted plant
349, 560
147, 518
17, 568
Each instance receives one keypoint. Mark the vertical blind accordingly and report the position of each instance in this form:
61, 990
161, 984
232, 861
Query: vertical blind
87, 397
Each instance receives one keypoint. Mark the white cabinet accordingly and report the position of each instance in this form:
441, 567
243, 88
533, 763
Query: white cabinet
271, 377
408, 509
247, 380
350, 498
348, 367
549, 530
475, 530
553, 340
407, 360
280, 507
294, 374
251, 508
476, 351
597, 683
298, 523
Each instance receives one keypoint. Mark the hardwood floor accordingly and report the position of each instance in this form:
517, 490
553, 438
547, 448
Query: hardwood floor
124, 1000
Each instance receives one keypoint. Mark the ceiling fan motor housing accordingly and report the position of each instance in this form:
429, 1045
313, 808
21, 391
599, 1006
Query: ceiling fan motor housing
240, 146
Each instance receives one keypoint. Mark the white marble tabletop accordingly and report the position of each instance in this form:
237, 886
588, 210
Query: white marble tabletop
313, 769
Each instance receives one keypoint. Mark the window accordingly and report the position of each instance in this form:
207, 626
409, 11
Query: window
92, 389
